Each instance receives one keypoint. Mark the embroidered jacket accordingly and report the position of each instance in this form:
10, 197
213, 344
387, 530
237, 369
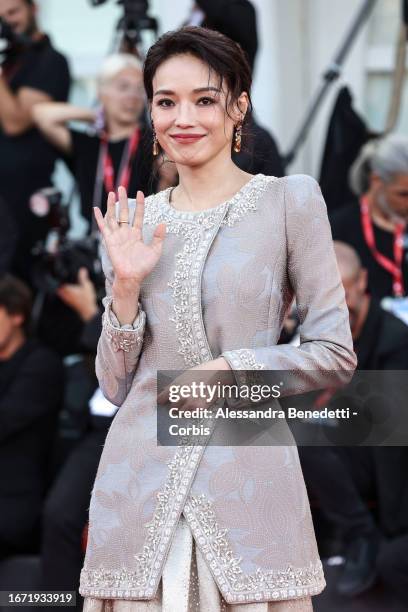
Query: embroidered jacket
224, 282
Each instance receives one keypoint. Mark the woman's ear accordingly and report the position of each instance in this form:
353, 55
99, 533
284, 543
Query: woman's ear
241, 107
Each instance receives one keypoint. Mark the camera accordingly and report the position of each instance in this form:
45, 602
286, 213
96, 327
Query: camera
11, 42
57, 260
135, 19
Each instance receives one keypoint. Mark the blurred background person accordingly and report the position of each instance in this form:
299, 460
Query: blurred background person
32, 72
114, 149
234, 18
374, 545
380, 339
117, 147
8, 237
65, 512
31, 384
376, 228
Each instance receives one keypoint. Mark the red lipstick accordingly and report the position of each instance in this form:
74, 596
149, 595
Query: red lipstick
185, 138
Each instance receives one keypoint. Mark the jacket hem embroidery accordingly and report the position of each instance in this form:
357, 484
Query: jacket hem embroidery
235, 585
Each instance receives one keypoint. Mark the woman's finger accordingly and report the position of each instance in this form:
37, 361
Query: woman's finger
123, 205
139, 214
110, 216
103, 228
158, 237
163, 396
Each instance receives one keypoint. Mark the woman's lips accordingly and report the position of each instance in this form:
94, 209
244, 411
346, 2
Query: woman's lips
186, 138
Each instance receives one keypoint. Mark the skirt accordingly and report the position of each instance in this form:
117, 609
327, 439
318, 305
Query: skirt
187, 585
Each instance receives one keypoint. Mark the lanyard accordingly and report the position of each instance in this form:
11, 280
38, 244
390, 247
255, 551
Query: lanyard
124, 172
393, 267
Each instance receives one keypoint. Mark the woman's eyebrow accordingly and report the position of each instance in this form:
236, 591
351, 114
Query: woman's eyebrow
201, 89
169, 92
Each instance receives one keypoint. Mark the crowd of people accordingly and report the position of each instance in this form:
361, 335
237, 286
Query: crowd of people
53, 416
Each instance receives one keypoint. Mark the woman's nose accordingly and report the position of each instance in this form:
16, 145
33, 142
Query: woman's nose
185, 116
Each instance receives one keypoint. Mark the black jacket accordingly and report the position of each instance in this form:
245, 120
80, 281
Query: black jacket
346, 134
383, 342
234, 18
31, 386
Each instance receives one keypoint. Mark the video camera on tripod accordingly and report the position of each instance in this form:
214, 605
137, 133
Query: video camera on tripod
135, 19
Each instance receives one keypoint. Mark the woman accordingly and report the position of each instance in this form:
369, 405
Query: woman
375, 224
202, 278
119, 151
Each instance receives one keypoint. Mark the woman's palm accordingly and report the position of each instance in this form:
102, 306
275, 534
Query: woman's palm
132, 259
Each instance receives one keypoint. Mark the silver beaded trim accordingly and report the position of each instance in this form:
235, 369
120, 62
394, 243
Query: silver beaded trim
193, 345
123, 339
235, 585
142, 581
158, 209
198, 232
241, 361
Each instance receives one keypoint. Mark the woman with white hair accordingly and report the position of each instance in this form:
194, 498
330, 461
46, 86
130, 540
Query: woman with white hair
117, 149
376, 228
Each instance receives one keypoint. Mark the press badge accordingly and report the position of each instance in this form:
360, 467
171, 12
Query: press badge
398, 306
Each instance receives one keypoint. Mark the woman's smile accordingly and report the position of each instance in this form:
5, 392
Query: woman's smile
184, 138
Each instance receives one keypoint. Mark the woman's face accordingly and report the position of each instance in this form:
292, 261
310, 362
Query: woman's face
189, 111
123, 97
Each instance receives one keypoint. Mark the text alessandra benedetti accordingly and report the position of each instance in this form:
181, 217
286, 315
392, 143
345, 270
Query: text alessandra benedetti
267, 413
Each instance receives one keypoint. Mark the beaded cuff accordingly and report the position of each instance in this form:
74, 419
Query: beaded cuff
123, 337
240, 362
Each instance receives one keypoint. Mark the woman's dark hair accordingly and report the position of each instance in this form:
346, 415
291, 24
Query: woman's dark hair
16, 298
222, 55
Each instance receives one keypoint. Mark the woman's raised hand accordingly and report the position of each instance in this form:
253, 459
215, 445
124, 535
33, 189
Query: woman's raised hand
132, 259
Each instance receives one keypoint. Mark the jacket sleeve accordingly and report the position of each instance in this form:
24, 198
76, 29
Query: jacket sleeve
326, 347
119, 346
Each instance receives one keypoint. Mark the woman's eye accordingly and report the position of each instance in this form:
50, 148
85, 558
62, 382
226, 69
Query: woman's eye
206, 101
165, 102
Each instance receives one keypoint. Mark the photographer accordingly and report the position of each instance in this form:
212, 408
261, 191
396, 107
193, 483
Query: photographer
71, 318
31, 383
65, 512
120, 153
31, 72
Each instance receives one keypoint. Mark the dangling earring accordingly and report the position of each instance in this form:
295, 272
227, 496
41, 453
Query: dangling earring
156, 150
238, 138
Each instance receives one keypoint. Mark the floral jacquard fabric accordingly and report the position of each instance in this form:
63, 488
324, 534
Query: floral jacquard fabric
223, 285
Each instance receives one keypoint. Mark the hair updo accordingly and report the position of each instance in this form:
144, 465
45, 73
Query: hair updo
222, 55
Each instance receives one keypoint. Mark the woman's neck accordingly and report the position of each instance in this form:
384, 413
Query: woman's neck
13, 345
202, 187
